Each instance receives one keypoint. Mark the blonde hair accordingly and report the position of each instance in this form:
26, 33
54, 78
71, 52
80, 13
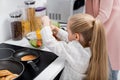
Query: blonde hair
94, 36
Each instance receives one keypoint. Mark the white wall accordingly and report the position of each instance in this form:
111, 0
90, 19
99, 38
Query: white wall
6, 7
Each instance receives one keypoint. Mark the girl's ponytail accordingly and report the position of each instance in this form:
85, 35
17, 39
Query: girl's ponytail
98, 68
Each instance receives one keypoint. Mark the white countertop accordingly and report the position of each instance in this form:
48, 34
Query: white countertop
51, 71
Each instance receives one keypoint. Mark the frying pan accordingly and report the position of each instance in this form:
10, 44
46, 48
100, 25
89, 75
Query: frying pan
23, 52
6, 53
13, 66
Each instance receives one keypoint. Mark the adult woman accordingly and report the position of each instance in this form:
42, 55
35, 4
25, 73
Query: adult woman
108, 11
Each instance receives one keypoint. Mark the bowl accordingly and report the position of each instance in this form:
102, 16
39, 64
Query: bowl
34, 39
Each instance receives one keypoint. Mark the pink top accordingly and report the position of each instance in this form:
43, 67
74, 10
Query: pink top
108, 11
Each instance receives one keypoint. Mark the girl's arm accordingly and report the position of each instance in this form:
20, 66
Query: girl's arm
60, 34
52, 44
72, 52
105, 10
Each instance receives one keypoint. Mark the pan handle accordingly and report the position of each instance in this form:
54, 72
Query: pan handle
34, 66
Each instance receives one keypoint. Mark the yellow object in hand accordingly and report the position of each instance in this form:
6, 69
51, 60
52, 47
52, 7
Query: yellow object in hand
38, 35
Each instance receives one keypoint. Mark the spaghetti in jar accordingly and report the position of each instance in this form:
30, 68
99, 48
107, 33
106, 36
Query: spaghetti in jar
30, 4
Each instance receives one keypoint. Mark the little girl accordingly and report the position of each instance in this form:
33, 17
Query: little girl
83, 47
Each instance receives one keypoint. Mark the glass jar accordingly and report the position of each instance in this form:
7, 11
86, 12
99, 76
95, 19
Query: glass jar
25, 27
30, 8
39, 11
16, 25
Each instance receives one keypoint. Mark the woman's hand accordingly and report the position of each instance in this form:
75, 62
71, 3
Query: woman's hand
45, 21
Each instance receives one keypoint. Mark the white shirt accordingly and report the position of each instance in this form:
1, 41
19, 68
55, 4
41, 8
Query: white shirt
77, 58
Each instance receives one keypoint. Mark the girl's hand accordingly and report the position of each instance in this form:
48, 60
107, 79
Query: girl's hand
54, 29
45, 21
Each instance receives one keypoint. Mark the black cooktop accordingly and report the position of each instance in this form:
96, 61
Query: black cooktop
45, 59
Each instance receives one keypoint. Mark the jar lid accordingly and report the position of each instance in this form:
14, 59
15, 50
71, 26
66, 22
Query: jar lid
29, 2
40, 9
15, 14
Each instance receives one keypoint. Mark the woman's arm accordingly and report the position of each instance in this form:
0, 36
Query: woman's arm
105, 10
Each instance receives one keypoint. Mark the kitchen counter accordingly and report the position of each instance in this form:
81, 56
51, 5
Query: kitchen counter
52, 70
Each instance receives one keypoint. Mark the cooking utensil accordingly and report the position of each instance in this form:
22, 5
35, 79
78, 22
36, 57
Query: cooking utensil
13, 66
6, 53
23, 52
